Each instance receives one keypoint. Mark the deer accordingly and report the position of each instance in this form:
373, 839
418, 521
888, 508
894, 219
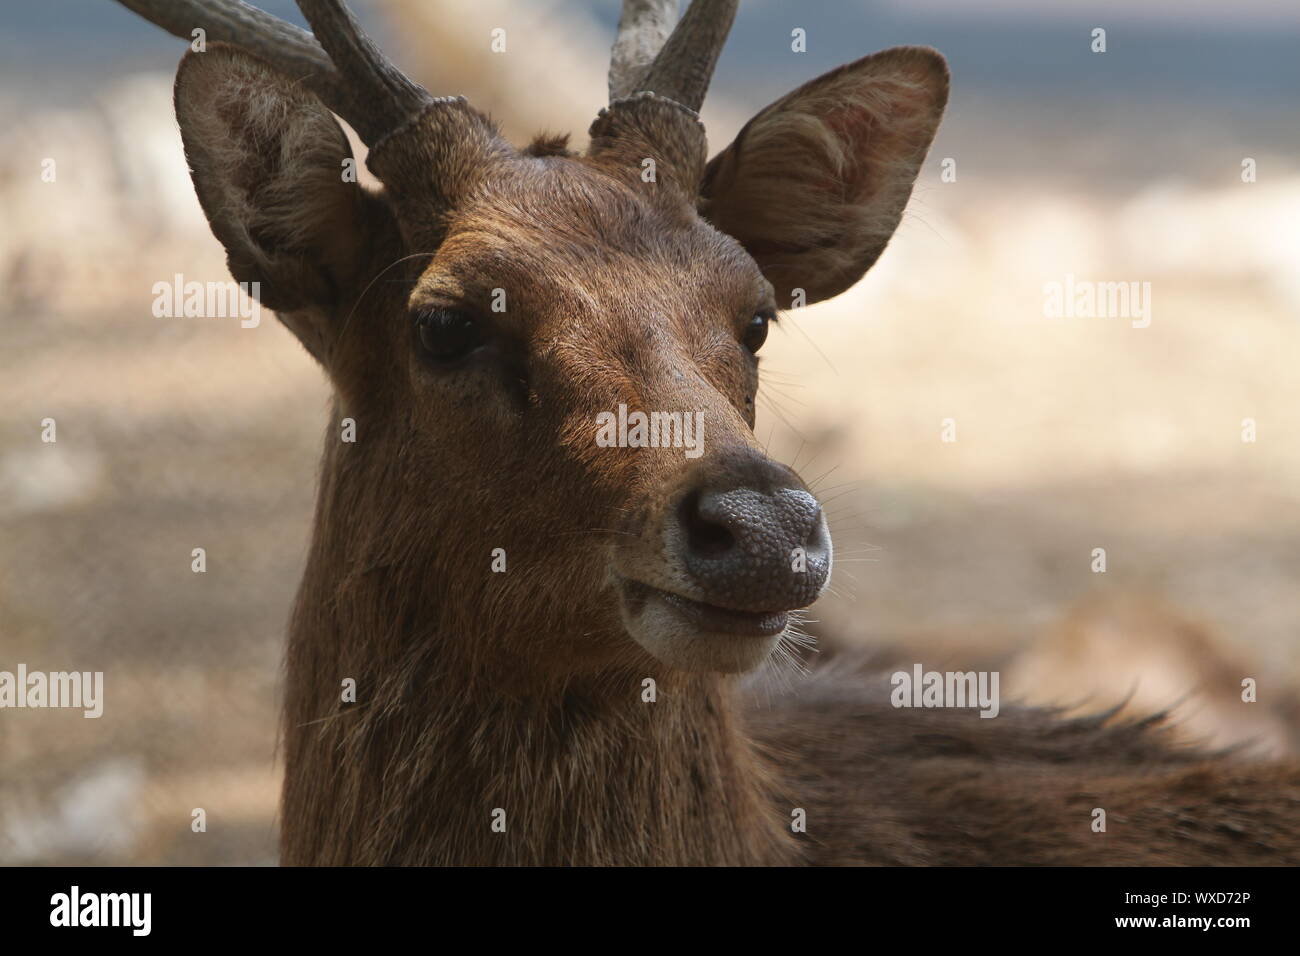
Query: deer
558, 644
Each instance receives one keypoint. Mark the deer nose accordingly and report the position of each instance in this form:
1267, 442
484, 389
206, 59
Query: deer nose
755, 548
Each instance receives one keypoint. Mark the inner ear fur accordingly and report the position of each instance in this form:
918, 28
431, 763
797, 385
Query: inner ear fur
267, 160
815, 184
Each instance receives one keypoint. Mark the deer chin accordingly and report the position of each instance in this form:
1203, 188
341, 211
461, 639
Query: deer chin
693, 636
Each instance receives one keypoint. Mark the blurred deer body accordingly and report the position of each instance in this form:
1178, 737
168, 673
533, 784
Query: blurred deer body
545, 631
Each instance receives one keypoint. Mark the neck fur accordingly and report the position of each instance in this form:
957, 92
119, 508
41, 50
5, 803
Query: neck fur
453, 755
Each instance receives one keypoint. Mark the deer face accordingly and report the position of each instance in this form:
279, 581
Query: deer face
556, 355
611, 304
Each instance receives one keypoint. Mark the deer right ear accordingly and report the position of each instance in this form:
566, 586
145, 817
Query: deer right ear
815, 184
268, 162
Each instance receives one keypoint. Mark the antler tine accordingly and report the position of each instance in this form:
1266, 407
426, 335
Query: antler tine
381, 96
642, 29
683, 68
287, 47
364, 88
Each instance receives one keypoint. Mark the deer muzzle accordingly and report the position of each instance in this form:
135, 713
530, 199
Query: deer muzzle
723, 559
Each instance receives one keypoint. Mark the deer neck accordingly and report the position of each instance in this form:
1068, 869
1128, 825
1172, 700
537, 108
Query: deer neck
451, 754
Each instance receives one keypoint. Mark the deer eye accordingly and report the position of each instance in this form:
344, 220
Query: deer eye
756, 332
447, 334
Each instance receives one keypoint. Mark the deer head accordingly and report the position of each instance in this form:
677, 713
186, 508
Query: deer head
483, 315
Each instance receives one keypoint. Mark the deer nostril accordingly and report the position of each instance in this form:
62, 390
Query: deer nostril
705, 536
752, 548
819, 535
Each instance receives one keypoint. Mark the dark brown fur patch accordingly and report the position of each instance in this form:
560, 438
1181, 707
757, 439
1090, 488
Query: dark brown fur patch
548, 144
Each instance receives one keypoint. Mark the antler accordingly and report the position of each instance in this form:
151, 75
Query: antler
642, 30
679, 69
340, 64
376, 88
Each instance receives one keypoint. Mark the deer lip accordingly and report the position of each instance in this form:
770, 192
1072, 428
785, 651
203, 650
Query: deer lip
721, 620
710, 617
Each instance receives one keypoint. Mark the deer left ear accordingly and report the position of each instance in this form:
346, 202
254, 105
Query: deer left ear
815, 184
272, 171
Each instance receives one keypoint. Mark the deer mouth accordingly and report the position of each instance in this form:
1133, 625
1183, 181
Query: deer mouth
695, 636
708, 618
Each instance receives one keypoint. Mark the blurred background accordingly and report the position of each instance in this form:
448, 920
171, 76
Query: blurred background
1071, 433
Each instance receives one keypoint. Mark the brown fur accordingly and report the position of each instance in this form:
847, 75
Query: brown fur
522, 691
